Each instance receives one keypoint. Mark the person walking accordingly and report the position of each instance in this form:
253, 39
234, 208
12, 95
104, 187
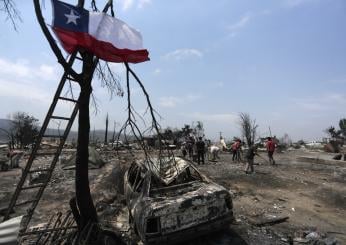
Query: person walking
250, 156
270, 145
200, 145
234, 148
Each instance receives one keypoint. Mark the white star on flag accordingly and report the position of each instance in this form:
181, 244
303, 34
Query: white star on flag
72, 18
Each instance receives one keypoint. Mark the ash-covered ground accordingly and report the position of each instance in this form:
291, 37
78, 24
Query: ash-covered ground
312, 195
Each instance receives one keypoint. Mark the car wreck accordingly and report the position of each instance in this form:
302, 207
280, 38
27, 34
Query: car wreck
170, 200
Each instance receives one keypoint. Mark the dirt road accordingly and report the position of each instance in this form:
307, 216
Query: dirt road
313, 196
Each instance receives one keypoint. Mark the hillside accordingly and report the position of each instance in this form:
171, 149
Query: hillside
5, 124
98, 135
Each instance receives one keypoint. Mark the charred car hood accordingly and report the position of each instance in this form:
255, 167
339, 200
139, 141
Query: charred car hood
201, 194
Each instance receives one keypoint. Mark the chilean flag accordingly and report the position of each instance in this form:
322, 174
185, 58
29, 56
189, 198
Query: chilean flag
108, 38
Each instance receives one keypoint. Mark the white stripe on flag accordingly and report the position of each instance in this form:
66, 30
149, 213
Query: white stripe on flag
108, 29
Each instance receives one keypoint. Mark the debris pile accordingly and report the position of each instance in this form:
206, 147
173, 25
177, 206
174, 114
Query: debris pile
314, 237
95, 160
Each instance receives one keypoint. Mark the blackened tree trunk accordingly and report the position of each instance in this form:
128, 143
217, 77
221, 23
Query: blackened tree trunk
83, 197
85, 210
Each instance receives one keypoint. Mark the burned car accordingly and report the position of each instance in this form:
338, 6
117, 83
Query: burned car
169, 200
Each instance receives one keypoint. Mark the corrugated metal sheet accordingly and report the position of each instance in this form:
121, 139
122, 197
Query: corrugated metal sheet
9, 231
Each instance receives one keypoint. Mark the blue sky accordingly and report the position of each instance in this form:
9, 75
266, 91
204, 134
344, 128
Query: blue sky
281, 61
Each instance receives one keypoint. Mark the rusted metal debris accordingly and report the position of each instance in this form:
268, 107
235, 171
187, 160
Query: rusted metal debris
175, 202
270, 221
61, 229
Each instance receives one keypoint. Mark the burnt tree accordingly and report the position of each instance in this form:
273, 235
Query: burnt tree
248, 128
85, 206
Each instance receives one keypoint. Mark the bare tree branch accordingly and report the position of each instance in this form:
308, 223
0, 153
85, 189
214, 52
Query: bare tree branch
109, 80
152, 111
108, 5
94, 104
10, 9
93, 6
135, 130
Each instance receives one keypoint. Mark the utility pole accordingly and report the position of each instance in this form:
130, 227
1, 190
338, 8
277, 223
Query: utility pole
106, 133
113, 137
270, 132
94, 135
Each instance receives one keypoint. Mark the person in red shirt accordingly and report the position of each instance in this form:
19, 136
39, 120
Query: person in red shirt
270, 145
235, 148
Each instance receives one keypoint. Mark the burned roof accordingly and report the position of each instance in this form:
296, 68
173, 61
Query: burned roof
166, 169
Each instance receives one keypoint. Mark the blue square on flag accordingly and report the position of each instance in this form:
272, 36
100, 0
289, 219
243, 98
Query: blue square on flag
70, 17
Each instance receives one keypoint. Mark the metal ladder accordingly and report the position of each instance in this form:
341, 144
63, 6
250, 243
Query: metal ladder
29, 169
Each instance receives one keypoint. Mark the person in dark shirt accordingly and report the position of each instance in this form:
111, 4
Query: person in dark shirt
183, 149
189, 146
250, 156
200, 145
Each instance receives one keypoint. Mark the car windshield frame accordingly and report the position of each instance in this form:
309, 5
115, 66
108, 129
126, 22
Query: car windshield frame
187, 181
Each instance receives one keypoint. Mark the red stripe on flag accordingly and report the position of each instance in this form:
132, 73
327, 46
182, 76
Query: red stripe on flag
71, 41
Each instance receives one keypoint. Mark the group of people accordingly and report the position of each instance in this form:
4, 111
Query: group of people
190, 147
199, 150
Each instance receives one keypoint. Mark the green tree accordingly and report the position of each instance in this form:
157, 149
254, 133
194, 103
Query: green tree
342, 125
198, 130
24, 128
187, 130
168, 134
